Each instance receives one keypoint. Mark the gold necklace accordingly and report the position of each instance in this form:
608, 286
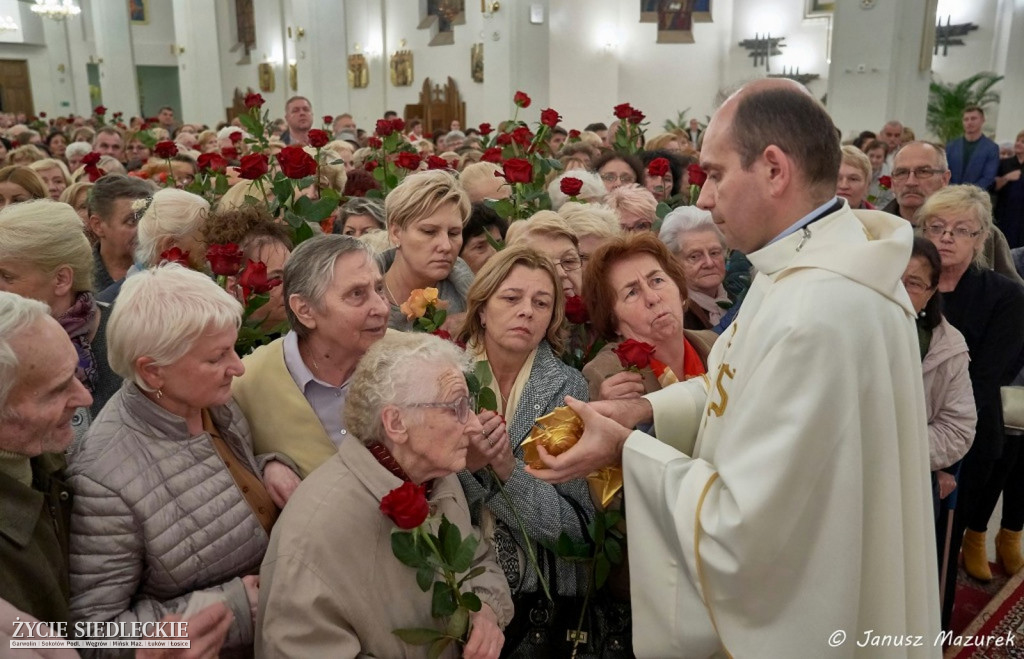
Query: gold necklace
391, 296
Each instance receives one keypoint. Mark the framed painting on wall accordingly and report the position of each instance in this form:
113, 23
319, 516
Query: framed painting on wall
138, 11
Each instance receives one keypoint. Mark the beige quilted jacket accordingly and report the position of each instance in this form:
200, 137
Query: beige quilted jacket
157, 516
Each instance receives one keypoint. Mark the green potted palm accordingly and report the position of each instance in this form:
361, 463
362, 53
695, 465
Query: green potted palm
947, 101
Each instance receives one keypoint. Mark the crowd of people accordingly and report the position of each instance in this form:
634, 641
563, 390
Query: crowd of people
828, 328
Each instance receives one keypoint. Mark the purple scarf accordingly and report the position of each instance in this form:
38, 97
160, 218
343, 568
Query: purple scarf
78, 322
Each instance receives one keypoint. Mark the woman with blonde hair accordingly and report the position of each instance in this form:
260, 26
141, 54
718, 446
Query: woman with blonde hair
592, 190
172, 218
425, 216
76, 195
854, 178
636, 206
663, 141
25, 155
18, 184
44, 255
514, 323
54, 174
550, 235
592, 223
481, 182
170, 502
988, 309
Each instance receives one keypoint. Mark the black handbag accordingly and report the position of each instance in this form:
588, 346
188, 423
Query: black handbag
542, 629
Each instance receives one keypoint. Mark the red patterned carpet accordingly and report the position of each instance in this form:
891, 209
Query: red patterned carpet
986, 612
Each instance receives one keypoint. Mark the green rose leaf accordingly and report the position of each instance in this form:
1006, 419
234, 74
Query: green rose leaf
418, 635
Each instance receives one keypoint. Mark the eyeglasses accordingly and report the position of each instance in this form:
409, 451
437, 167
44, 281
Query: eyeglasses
920, 173
916, 285
569, 264
460, 407
939, 230
621, 178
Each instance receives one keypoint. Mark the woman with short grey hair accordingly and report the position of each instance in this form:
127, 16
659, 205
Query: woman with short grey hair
171, 506
360, 215
699, 247
295, 387
411, 411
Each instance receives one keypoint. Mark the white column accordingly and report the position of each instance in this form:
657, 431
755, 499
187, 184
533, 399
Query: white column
199, 74
114, 46
321, 55
875, 74
1011, 104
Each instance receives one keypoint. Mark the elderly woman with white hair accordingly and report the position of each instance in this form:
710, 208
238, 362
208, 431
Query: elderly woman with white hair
330, 583
699, 247
170, 506
45, 256
426, 213
592, 223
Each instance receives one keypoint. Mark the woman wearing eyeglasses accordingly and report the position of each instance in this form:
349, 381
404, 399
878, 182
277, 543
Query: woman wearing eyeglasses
616, 169
699, 247
514, 322
988, 309
552, 236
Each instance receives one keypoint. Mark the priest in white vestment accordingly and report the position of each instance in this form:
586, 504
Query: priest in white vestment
802, 524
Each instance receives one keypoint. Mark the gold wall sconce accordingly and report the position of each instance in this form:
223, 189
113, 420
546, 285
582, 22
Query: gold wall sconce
358, 71
268, 81
293, 76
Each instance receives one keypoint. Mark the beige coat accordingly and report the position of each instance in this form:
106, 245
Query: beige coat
330, 585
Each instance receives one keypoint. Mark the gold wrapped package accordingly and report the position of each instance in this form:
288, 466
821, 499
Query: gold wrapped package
559, 431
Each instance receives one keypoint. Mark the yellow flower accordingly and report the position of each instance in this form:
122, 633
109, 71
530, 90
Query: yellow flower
416, 306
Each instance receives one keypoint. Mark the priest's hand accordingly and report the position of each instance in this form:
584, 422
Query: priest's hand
600, 446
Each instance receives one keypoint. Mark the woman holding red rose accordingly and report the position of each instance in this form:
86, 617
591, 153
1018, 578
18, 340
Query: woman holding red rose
635, 290
425, 215
331, 585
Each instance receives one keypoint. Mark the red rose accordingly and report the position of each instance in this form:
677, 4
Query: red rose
213, 162
521, 100
254, 279
253, 166
253, 101
99, 110
328, 119
384, 127
504, 139
885, 182
575, 310
550, 118
634, 353
42, 115
522, 136
406, 505
370, 166
94, 172
486, 129
570, 186
295, 162
408, 160
229, 152
658, 167
235, 136
574, 134
518, 170
165, 149
225, 259
374, 142
492, 154
696, 174
623, 110
175, 255
398, 124
318, 138
436, 162
442, 334
636, 117
91, 158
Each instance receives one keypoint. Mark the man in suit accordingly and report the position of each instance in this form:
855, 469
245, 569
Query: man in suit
973, 158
